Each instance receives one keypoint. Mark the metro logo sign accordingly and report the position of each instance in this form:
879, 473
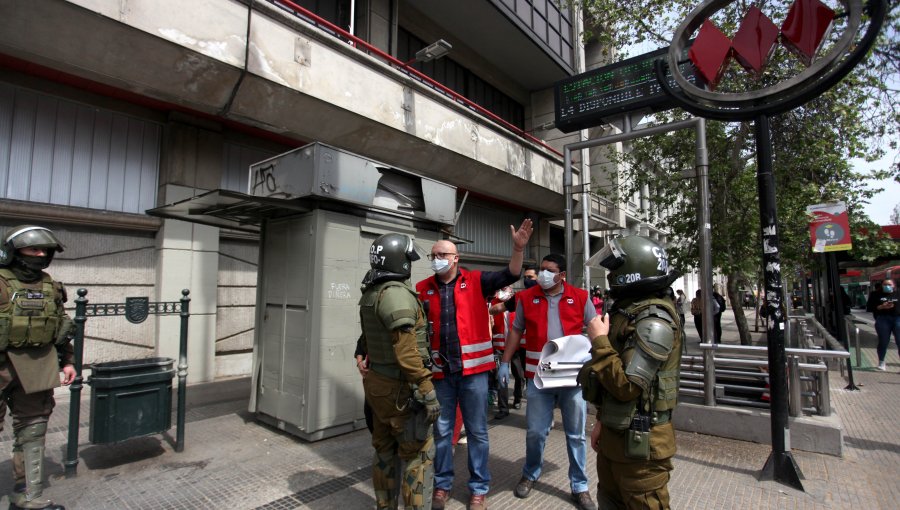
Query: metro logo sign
805, 28
803, 32
755, 41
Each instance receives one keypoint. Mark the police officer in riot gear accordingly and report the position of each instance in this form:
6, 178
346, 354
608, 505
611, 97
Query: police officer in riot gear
398, 385
34, 347
632, 377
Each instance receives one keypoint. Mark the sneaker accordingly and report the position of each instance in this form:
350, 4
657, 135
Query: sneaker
463, 439
523, 489
501, 414
583, 500
517, 405
477, 502
439, 499
882, 366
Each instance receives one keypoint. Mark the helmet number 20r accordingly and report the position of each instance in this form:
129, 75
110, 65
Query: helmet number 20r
662, 260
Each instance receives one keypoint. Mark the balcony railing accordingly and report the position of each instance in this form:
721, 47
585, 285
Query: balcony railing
361, 45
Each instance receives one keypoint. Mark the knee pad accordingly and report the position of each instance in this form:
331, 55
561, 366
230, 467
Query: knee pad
30, 434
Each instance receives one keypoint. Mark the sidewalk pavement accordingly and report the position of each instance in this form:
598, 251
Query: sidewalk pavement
231, 461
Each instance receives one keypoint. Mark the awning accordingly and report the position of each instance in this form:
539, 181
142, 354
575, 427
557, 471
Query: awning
230, 209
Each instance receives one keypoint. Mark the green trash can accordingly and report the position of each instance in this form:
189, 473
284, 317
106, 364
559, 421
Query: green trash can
130, 398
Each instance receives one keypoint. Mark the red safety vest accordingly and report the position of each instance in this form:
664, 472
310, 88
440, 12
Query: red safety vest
502, 322
535, 305
472, 321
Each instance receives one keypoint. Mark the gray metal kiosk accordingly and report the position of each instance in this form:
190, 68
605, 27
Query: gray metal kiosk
317, 209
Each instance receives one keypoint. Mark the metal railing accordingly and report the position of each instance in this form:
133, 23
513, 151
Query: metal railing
737, 374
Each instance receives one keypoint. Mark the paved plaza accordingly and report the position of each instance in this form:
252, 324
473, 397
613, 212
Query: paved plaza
233, 462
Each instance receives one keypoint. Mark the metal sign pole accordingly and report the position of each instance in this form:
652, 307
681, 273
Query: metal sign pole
182, 370
840, 319
780, 465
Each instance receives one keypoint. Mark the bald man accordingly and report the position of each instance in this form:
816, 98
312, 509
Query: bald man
463, 357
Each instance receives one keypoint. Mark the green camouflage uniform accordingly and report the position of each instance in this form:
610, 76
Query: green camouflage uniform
627, 480
393, 327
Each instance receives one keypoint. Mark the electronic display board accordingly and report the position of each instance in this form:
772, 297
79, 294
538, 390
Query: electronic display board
582, 101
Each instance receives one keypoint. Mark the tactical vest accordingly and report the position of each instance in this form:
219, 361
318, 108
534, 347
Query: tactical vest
379, 341
662, 395
31, 314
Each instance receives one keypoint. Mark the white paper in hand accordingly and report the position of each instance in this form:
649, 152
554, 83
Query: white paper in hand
561, 359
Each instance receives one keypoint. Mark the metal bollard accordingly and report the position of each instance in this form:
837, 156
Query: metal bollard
795, 405
824, 392
709, 377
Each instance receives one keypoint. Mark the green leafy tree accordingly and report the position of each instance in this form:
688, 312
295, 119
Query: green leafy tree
812, 144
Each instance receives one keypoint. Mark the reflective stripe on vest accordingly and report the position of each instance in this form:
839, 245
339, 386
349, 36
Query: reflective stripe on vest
472, 321
500, 327
535, 307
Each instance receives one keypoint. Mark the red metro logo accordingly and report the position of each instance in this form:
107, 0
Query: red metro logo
826, 43
803, 31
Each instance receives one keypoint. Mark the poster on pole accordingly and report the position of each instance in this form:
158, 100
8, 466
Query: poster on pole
829, 227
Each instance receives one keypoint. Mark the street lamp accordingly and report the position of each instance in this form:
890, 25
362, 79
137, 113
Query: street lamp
431, 52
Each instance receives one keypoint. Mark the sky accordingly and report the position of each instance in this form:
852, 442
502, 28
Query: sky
880, 207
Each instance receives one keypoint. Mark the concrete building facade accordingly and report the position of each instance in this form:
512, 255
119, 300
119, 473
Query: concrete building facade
109, 108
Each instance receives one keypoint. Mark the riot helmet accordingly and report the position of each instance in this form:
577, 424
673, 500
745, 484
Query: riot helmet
29, 236
391, 257
637, 265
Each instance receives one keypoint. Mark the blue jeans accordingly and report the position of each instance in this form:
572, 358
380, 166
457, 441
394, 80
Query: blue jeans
471, 393
539, 419
885, 325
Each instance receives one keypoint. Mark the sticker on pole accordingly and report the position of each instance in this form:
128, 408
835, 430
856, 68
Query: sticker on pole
829, 227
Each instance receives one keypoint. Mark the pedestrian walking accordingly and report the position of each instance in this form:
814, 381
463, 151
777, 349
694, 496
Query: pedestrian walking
682, 305
884, 307
697, 312
718, 308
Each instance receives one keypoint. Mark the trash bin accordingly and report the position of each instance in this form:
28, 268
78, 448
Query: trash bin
130, 398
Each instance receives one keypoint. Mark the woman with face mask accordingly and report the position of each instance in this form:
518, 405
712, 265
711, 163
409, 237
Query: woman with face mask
884, 307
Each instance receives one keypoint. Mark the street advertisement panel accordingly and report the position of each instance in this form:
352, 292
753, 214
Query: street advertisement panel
829, 227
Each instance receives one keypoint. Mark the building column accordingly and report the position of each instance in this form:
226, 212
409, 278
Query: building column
188, 253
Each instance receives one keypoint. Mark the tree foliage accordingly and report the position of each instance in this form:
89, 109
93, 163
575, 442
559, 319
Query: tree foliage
813, 146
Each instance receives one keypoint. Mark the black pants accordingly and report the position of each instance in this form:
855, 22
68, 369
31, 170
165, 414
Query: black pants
717, 327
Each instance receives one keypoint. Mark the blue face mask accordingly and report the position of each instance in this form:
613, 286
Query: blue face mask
888, 289
440, 266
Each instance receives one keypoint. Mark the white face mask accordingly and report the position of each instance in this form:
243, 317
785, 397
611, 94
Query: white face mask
440, 266
546, 279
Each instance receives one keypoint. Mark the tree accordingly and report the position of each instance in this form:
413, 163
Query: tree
895, 216
812, 144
